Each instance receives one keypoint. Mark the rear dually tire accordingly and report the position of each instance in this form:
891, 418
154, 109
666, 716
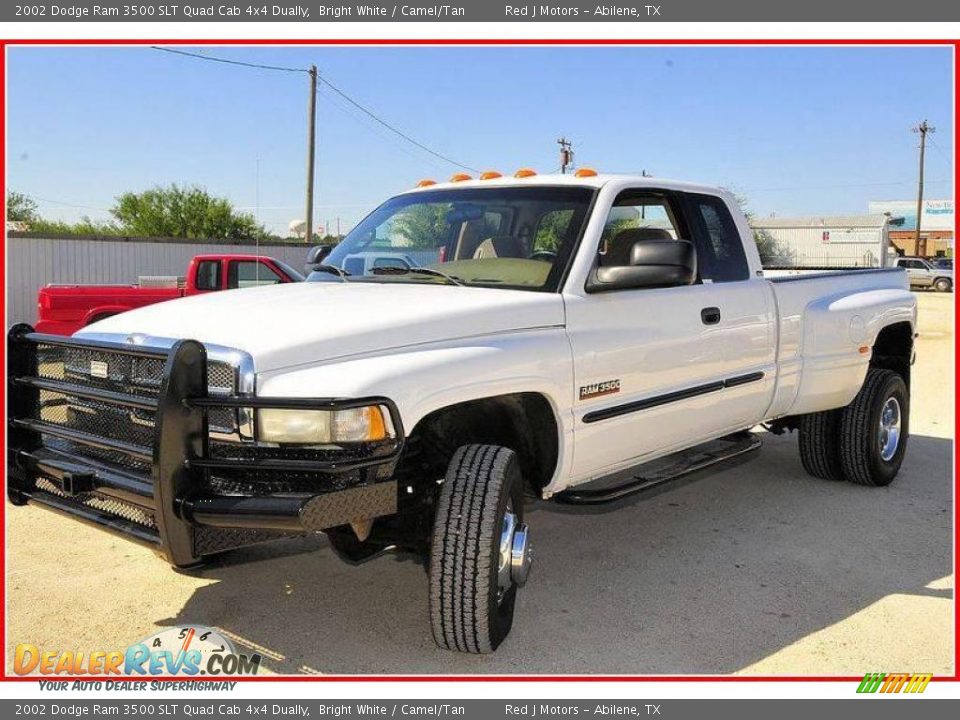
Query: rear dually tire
874, 429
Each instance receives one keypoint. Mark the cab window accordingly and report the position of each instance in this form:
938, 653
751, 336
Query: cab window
250, 273
208, 275
719, 248
636, 217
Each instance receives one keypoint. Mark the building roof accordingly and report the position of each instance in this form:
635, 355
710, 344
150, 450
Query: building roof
821, 221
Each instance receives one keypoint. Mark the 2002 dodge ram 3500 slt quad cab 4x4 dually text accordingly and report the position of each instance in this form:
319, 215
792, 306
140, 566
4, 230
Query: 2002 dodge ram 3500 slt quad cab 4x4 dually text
570, 338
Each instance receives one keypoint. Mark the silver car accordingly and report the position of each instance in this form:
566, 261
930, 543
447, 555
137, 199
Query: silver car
923, 273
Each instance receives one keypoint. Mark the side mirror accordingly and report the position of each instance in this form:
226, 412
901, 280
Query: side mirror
653, 263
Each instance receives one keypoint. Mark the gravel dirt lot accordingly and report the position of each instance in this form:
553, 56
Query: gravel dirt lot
758, 569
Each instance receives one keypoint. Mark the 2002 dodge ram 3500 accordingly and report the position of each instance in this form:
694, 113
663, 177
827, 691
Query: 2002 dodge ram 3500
574, 338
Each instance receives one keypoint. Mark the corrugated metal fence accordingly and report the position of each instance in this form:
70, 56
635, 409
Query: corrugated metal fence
33, 262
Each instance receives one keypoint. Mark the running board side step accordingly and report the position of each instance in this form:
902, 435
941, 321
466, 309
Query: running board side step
657, 473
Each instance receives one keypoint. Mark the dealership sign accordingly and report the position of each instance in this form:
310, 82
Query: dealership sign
937, 214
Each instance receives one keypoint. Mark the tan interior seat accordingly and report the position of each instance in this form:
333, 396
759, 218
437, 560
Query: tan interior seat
501, 246
618, 248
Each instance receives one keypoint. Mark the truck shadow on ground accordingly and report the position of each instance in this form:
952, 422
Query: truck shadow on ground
708, 578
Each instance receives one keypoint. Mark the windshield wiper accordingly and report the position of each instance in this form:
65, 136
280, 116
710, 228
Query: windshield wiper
333, 270
416, 271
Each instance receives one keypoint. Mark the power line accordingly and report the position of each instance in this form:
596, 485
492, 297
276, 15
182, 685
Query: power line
70, 205
225, 61
358, 117
341, 93
943, 153
390, 127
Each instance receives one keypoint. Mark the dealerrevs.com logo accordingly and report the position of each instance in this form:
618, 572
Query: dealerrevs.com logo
894, 682
188, 651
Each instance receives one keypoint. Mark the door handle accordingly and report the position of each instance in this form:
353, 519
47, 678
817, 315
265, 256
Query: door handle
710, 315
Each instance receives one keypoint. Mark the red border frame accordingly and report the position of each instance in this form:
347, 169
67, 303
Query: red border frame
955, 44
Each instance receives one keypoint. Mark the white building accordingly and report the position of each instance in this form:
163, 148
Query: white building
827, 242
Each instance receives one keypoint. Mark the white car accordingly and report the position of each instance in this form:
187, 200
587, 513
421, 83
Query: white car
575, 339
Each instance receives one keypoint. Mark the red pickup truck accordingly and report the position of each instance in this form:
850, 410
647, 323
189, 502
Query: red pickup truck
64, 309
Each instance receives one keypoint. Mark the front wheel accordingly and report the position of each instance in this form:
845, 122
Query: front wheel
480, 553
943, 285
874, 429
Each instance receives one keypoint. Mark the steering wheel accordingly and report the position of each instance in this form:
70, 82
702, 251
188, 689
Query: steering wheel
544, 255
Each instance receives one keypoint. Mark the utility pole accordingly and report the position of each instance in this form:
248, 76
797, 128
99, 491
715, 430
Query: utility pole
566, 154
923, 128
311, 150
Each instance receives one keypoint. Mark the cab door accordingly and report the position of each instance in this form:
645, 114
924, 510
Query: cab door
661, 369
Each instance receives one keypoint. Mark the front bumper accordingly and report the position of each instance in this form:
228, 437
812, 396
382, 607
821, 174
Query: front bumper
182, 495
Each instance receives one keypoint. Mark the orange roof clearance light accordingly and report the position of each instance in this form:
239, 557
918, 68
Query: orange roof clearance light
460, 177
426, 182
585, 172
524, 173
490, 175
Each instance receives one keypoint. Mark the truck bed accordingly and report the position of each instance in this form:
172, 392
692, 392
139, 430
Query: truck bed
827, 321
65, 308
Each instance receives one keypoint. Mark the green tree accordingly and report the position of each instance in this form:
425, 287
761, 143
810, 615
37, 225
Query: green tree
551, 230
772, 253
423, 225
182, 212
85, 226
21, 208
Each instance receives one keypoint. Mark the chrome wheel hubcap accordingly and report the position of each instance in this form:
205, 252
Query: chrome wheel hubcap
890, 421
515, 558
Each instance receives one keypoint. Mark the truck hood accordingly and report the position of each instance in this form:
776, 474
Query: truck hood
300, 323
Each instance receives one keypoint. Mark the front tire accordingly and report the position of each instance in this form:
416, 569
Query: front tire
874, 429
943, 285
473, 583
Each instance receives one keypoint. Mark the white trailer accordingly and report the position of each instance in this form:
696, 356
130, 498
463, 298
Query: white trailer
824, 243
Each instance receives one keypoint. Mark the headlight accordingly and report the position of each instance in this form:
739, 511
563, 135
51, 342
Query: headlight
322, 427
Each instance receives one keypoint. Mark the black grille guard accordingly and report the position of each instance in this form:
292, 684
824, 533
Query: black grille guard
179, 458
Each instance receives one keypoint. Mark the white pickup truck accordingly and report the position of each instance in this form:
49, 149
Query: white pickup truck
562, 338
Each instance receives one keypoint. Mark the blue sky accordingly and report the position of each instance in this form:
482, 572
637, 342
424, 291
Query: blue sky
796, 130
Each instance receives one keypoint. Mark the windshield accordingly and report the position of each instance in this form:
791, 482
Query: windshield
518, 238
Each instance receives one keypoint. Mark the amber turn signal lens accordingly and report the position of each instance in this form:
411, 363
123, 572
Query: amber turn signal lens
490, 175
524, 172
586, 172
426, 183
460, 177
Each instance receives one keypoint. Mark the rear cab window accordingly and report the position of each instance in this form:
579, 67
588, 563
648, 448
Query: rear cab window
208, 275
719, 246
